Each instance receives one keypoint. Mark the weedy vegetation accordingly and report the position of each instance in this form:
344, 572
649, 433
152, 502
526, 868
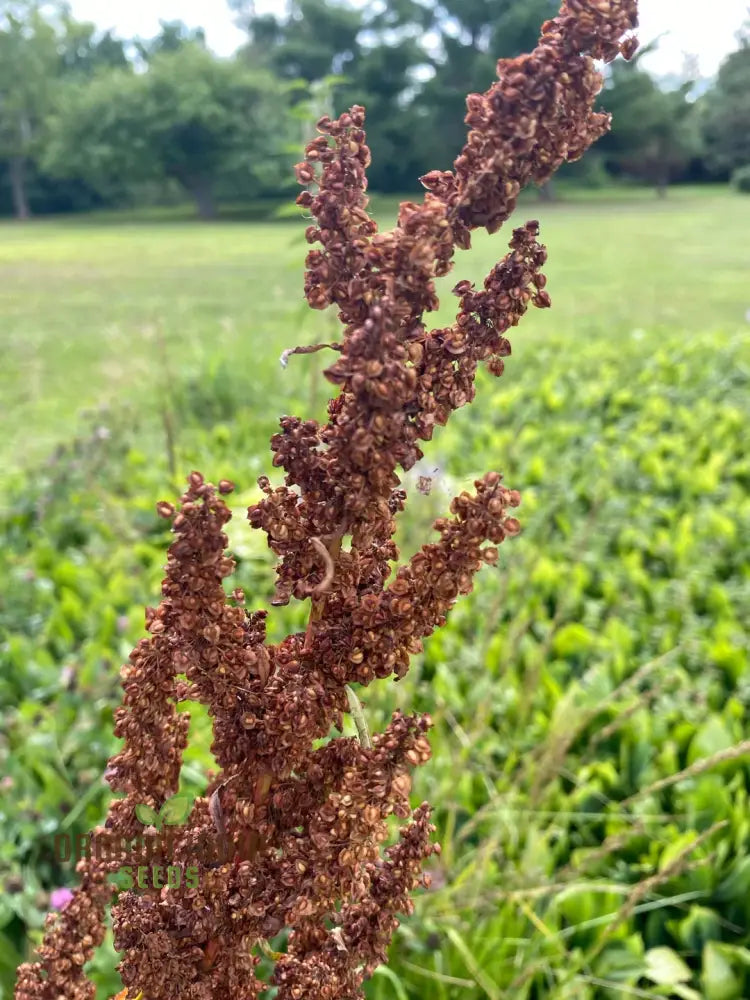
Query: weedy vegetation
589, 777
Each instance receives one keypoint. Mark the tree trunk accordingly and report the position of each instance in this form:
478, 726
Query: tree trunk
663, 174
200, 189
16, 167
547, 191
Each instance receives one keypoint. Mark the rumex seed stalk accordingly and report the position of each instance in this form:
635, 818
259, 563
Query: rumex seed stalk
306, 824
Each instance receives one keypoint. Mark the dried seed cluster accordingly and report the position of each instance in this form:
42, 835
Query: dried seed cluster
305, 823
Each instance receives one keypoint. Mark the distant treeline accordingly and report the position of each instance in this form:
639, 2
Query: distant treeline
88, 120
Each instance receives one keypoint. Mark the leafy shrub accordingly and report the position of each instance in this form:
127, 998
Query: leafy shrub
636, 514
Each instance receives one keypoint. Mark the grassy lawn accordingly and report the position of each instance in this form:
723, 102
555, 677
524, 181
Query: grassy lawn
590, 698
95, 313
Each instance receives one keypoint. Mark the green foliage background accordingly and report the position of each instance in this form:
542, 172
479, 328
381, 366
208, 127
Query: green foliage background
90, 120
590, 771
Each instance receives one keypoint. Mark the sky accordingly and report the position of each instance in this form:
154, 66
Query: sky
697, 28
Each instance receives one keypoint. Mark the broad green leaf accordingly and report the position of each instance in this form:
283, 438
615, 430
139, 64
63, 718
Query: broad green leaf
175, 810
700, 926
677, 847
665, 967
718, 978
711, 738
147, 815
572, 639
735, 951
686, 992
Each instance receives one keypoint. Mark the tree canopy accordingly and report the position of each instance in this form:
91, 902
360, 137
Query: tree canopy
657, 130
726, 110
29, 64
190, 118
88, 118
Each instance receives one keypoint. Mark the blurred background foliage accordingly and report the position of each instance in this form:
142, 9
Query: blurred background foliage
89, 120
591, 763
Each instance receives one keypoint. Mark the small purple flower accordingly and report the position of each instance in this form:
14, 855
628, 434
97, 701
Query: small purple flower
60, 898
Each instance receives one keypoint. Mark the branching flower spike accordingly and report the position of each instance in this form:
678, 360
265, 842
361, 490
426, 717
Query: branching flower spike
303, 824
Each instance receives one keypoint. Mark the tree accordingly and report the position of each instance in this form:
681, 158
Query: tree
28, 66
399, 134
656, 132
316, 39
473, 34
173, 35
83, 51
415, 98
190, 117
41, 46
375, 54
726, 112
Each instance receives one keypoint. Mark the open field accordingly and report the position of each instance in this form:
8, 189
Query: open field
91, 313
591, 769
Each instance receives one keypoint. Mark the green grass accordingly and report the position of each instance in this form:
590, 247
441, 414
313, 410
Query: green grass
96, 314
605, 655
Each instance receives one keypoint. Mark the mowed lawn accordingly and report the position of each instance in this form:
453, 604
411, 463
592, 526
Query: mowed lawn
95, 313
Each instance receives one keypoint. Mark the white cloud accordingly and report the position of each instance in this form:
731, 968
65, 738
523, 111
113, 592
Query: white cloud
702, 29
705, 30
141, 17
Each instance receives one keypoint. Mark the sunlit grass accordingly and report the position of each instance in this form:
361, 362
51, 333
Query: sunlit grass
95, 313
